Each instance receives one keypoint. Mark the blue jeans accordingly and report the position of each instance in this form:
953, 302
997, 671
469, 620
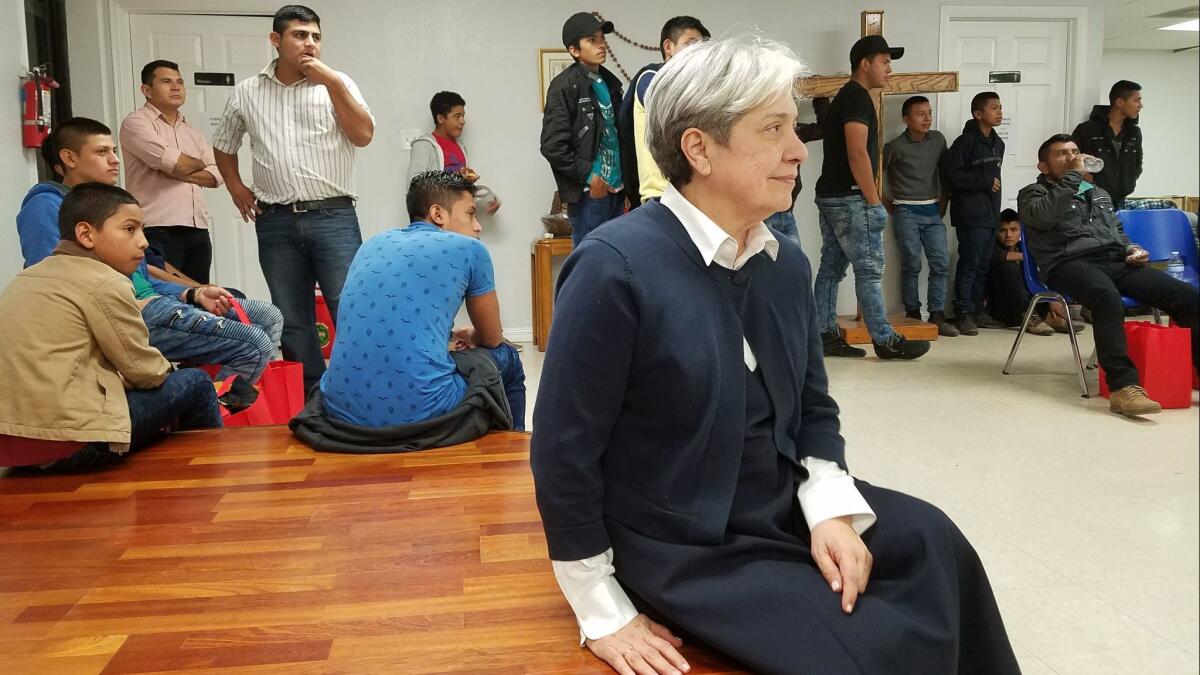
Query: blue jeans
917, 228
970, 276
190, 335
587, 214
852, 234
785, 223
186, 398
512, 374
298, 251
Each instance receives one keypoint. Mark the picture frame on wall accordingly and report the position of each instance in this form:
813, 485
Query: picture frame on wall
871, 22
551, 62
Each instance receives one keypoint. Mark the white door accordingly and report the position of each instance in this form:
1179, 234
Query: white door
1035, 108
226, 49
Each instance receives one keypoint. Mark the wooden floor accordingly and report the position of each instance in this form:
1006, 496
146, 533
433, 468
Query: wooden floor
245, 551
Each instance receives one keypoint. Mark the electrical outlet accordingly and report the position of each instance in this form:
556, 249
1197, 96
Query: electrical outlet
407, 136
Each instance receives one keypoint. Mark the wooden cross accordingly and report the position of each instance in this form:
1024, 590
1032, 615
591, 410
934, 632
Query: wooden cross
854, 329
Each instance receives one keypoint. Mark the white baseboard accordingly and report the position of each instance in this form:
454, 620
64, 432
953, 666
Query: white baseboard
524, 334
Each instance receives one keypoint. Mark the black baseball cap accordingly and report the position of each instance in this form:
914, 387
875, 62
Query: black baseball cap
870, 46
582, 25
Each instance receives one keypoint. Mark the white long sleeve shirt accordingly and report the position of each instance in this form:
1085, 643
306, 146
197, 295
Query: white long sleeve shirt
601, 607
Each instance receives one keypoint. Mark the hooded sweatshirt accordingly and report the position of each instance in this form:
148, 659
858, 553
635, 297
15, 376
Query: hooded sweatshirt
1122, 154
37, 226
971, 165
37, 221
427, 155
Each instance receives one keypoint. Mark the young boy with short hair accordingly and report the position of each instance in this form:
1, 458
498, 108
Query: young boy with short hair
75, 340
913, 193
443, 149
580, 138
972, 168
1006, 297
186, 324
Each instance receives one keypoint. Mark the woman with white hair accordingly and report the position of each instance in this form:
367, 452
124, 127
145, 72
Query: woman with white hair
686, 453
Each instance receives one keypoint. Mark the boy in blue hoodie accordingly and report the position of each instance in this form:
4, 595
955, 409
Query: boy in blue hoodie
972, 168
186, 324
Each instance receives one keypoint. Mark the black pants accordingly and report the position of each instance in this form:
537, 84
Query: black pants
187, 248
1099, 280
1005, 295
974, 258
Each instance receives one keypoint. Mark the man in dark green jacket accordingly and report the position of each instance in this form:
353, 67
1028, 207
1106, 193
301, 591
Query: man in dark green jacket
1081, 249
1113, 135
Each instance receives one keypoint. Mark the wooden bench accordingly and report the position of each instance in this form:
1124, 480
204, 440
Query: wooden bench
244, 549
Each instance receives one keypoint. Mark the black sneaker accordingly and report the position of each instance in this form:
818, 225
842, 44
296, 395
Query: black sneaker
241, 395
834, 345
899, 348
985, 320
966, 325
913, 314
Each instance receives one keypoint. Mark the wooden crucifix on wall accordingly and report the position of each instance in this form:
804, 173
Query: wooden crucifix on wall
854, 329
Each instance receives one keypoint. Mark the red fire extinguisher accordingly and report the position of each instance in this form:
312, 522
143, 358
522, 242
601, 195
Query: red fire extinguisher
35, 94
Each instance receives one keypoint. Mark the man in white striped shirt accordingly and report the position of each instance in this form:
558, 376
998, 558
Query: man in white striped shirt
305, 121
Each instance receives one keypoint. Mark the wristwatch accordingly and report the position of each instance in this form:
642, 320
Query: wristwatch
190, 296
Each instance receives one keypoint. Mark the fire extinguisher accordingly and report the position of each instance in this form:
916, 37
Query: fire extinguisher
35, 95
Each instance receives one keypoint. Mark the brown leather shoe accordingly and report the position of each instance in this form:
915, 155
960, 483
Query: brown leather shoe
1132, 401
1059, 324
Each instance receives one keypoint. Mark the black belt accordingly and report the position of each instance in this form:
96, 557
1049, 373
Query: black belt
315, 205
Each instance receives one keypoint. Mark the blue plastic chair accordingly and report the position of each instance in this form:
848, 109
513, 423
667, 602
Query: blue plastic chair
1162, 231
1042, 293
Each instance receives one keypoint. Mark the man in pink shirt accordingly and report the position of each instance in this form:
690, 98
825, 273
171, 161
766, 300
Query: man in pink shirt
167, 162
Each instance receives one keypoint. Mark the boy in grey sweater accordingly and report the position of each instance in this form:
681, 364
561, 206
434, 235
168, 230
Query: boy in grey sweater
913, 194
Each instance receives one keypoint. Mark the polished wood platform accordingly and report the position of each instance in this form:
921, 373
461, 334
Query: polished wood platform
245, 551
854, 329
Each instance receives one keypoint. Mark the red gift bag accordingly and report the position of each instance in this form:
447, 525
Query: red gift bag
325, 330
1162, 355
280, 391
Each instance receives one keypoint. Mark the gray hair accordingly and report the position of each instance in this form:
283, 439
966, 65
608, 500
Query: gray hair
710, 86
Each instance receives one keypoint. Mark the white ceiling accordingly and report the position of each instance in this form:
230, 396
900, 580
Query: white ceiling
1127, 25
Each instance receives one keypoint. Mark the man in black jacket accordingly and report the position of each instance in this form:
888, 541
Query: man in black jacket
1082, 250
579, 129
972, 168
1112, 134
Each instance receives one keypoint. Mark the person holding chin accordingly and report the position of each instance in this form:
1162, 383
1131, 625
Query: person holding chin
686, 453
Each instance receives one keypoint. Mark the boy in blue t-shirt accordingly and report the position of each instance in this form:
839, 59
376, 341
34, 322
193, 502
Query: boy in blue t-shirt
392, 362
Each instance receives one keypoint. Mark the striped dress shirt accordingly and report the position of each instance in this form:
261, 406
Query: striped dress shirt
300, 152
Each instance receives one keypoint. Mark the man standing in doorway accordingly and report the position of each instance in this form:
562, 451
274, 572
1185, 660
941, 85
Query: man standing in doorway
305, 121
579, 129
1113, 135
972, 168
167, 162
852, 216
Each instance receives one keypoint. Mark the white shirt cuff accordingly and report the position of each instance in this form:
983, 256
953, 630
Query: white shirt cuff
830, 492
600, 604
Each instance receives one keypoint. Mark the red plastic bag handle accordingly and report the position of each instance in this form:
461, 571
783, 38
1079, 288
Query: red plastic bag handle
241, 313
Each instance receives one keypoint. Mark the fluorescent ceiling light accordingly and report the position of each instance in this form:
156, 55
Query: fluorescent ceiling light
1193, 25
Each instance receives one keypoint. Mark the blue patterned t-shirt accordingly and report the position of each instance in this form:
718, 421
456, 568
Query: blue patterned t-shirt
391, 362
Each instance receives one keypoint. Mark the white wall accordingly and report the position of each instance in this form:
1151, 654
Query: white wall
1170, 135
17, 168
401, 52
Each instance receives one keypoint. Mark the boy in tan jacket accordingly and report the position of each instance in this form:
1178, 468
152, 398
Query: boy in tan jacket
82, 384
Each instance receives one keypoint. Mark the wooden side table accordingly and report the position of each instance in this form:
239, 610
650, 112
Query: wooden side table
541, 255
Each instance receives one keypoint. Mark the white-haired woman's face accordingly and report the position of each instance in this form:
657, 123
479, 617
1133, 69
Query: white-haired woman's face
757, 167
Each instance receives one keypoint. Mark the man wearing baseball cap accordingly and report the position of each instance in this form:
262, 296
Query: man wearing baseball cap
852, 215
579, 128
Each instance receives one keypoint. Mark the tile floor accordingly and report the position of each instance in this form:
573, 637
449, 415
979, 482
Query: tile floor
1087, 522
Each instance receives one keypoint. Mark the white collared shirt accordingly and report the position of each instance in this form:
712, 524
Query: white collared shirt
300, 151
601, 607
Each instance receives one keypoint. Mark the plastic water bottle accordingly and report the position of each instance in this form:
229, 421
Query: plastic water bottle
1092, 164
1175, 265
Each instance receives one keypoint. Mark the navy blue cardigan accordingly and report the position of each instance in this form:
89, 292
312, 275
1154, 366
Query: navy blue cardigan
640, 413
